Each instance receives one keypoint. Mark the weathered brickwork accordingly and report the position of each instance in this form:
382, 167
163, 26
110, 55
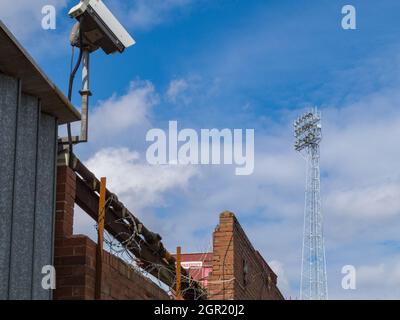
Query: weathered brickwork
239, 271
75, 258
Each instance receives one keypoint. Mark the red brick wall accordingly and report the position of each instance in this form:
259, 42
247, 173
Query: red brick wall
233, 254
75, 258
65, 201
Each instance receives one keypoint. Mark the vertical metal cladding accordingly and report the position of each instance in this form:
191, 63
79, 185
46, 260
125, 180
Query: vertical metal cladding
8, 125
27, 164
22, 229
45, 199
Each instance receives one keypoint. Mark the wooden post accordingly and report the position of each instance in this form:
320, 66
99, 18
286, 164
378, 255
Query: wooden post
100, 237
178, 274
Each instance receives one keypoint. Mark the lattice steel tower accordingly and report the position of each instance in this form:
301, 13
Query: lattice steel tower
307, 131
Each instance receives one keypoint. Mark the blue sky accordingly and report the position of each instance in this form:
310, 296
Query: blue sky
249, 64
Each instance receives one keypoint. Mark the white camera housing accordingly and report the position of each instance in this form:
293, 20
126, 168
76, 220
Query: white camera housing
100, 28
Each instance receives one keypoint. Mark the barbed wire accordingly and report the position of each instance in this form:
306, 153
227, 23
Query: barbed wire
148, 269
123, 249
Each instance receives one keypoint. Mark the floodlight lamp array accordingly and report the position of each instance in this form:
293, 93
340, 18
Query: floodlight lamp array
307, 130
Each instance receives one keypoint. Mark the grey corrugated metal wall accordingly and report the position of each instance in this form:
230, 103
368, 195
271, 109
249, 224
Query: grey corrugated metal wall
27, 192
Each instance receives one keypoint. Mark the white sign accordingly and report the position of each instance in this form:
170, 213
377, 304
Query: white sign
192, 264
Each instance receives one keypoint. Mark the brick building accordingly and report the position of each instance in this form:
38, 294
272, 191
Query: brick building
234, 270
199, 266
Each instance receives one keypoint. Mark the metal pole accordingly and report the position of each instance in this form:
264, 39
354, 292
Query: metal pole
85, 93
100, 238
178, 274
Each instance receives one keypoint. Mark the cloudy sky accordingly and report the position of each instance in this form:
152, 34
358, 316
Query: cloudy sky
248, 64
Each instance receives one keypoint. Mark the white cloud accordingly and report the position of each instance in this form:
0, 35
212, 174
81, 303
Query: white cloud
134, 181
372, 202
371, 275
360, 140
124, 114
380, 275
192, 91
176, 88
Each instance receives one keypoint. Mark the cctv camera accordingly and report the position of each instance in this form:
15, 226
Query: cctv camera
99, 27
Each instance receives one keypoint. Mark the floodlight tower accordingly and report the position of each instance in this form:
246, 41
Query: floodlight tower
307, 131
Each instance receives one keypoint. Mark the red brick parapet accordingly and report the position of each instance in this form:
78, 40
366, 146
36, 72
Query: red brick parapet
239, 271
